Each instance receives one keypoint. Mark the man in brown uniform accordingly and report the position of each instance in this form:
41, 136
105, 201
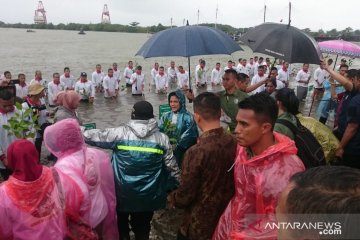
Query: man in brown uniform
207, 180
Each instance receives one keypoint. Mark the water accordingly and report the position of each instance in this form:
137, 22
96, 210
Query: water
51, 50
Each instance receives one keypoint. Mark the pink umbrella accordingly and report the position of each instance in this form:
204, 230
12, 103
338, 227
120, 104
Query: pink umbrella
340, 47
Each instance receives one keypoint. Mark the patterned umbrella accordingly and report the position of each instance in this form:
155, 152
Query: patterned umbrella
340, 47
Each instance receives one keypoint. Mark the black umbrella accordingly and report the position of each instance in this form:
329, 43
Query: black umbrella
188, 41
284, 42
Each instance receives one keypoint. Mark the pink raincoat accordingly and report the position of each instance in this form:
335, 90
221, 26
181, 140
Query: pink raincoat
258, 183
42, 214
90, 169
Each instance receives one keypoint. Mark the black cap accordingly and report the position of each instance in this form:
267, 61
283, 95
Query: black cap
83, 74
142, 110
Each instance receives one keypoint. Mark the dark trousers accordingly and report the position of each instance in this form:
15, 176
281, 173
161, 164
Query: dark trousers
139, 222
38, 143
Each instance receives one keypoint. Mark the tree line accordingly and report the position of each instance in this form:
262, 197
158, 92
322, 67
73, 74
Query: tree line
134, 27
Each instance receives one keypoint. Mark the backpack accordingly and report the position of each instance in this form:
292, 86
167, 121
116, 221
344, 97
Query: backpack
309, 149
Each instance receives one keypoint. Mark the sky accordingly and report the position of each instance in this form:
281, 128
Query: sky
313, 14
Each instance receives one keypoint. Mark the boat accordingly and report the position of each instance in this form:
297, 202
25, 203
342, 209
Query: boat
81, 31
29, 30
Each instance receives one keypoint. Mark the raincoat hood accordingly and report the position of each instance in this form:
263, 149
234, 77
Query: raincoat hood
181, 98
23, 160
143, 128
64, 138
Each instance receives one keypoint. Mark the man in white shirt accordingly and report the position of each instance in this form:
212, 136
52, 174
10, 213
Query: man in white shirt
303, 78
257, 64
259, 77
54, 87
172, 72
137, 81
343, 62
250, 68
128, 72
229, 66
279, 64
161, 81
117, 73
284, 74
7, 111
22, 87
320, 75
5, 78
110, 85
183, 78
38, 79
97, 78
68, 79
274, 75
154, 72
200, 75
216, 75
85, 88
241, 68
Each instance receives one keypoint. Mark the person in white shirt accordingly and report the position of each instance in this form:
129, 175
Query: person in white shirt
250, 68
5, 78
128, 72
97, 78
303, 78
320, 75
172, 72
216, 75
85, 88
279, 64
117, 73
110, 85
266, 68
343, 62
68, 79
22, 87
161, 81
259, 77
200, 75
38, 79
257, 64
154, 72
54, 87
7, 111
284, 73
229, 66
137, 81
256, 59
183, 78
241, 67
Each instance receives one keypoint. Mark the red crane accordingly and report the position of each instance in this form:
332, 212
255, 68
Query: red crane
105, 16
40, 14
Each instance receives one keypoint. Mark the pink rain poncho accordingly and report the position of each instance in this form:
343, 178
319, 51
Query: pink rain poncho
90, 169
30, 203
258, 183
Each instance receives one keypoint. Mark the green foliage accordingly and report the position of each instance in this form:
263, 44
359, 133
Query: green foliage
23, 124
171, 131
133, 27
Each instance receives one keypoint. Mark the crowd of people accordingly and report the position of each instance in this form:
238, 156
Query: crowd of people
241, 151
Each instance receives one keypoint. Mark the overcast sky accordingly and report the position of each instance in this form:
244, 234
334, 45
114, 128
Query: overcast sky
314, 14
